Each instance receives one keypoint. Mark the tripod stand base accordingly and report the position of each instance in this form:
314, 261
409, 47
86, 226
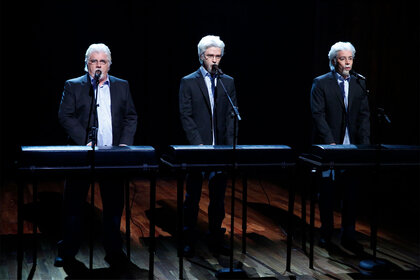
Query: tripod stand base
226, 273
370, 267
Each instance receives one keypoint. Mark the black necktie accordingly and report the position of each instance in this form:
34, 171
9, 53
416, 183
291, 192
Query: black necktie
343, 94
212, 78
213, 91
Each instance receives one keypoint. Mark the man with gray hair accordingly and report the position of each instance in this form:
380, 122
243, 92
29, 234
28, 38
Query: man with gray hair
207, 119
340, 114
113, 123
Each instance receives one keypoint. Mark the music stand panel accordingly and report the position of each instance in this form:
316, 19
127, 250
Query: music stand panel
36, 161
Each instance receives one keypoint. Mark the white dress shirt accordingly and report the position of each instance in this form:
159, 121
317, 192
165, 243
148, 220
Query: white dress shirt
207, 80
104, 114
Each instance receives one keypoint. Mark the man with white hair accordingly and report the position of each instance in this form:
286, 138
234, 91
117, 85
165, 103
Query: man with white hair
340, 114
207, 119
113, 123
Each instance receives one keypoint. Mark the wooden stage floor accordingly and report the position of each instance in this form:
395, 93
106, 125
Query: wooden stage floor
398, 240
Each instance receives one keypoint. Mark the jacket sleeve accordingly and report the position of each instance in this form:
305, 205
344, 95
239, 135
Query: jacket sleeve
230, 118
364, 121
129, 121
186, 114
67, 116
322, 128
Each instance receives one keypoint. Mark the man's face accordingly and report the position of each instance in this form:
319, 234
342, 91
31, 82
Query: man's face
98, 61
344, 62
211, 56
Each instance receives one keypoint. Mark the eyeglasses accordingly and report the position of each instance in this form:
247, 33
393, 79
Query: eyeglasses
343, 58
212, 56
100, 62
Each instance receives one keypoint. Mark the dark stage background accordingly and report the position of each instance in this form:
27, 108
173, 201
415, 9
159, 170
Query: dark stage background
274, 49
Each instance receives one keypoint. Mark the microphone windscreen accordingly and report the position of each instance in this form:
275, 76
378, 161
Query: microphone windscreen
216, 70
98, 74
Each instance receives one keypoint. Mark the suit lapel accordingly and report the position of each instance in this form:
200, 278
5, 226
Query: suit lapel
336, 88
87, 90
87, 96
352, 85
113, 96
87, 86
203, 88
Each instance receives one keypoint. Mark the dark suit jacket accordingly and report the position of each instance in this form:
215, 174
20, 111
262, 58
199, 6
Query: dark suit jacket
195, 110
329, 114
75, 105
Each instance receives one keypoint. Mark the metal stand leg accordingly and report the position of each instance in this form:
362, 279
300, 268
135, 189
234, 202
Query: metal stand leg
290, 226
312, 217
375, 264
232, 273
152, 247
303, 215
92, 216
373, 228
244, 211
127, 218
180, 212
35, 225
20, 230
20, 191
232, 221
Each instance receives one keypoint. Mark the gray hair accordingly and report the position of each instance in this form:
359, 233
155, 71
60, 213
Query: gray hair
339, 46
208, 42
97, 48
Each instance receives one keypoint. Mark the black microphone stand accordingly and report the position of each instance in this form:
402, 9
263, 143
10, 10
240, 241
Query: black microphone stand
370, 266
231, 273
93, 137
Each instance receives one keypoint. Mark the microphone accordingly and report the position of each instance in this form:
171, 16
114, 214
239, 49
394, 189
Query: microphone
357, 75
98, 74
216, 70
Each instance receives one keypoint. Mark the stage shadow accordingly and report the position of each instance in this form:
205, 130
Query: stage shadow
130, 271
47, 213
413, 274
165, 216
277, 215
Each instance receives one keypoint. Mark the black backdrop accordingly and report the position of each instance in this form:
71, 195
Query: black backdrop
273, 49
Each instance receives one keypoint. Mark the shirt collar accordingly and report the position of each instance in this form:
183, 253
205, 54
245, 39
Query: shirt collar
92, 81
341, 78
204, 72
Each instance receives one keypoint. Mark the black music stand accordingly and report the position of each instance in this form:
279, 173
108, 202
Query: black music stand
355, 156
39, 161
231, 272
183, 158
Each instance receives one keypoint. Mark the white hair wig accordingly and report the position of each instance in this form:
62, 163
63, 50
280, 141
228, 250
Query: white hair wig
208, 42
97, 48
339, 46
